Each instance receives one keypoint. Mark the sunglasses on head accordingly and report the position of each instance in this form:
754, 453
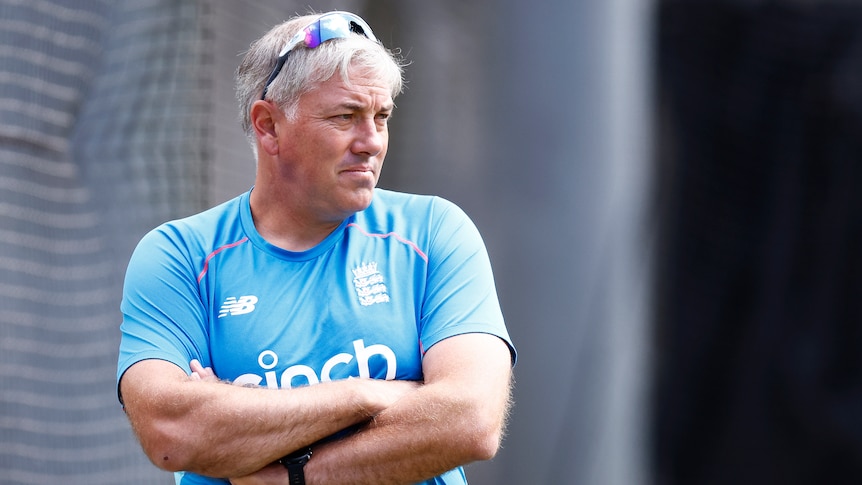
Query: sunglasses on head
332, 25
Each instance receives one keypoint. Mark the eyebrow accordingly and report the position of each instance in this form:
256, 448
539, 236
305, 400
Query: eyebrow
352, 106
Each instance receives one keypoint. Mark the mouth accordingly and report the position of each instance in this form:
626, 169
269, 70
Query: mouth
358, 170
362, 175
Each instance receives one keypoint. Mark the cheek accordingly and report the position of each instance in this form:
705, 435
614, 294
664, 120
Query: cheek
385, 149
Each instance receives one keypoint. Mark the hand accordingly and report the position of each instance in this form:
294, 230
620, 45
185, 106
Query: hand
201, 373
274, 474
387, 393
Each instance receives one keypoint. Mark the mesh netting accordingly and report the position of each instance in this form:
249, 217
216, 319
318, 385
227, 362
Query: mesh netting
102, 136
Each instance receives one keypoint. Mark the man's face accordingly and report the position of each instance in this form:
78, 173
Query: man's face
333, 152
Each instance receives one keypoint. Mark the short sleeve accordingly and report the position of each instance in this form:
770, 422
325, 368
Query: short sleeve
163, 313
461, 295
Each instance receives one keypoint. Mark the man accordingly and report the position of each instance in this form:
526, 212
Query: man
316, 329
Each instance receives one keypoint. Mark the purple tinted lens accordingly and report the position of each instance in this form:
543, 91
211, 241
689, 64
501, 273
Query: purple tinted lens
312, 35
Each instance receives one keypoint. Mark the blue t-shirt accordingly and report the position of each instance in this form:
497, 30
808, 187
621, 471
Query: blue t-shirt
368, 301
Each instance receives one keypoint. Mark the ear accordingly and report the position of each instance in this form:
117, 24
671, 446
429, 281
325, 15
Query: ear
264, 117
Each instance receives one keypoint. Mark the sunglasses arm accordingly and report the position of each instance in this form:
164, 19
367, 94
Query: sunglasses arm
278, 65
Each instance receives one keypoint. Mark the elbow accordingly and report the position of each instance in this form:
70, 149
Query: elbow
481, 428
163, 416
167, 449
164, 441
485, 440
486, 446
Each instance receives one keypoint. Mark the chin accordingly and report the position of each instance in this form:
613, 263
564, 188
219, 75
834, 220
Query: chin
358, 202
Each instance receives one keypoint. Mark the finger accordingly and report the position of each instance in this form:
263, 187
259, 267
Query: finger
196, 366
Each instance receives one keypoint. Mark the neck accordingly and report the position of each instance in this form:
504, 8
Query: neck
282, 225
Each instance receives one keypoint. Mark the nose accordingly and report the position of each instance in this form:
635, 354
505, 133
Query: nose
370, 137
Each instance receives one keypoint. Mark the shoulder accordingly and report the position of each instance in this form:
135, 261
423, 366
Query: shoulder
413, 206
433, 223
196, 233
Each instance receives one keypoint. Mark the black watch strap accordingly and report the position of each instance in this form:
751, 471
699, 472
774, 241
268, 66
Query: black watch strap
295, 465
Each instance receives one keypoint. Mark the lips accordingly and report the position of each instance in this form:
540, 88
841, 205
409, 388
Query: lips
359, 169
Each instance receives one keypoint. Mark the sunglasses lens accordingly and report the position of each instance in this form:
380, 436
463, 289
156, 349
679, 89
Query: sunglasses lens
334, 25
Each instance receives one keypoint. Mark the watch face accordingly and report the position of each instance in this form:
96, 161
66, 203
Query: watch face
299, 457
294, 463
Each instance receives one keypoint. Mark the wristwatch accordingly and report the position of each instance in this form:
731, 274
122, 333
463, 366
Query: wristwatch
295, 462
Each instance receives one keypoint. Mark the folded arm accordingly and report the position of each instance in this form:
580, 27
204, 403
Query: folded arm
457, 417
197, 425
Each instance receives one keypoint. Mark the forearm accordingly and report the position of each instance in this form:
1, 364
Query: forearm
221, 430
413, 441
451, 421
409, 443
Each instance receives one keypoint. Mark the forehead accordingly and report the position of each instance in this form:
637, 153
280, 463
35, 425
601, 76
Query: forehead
363, 88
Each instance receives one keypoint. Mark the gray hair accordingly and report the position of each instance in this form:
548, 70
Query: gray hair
306, 68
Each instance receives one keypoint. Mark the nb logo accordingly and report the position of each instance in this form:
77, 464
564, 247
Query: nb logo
234, 306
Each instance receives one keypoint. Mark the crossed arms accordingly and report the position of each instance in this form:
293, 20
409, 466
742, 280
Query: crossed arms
410, 431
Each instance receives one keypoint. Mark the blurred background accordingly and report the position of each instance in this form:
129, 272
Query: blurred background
667, 190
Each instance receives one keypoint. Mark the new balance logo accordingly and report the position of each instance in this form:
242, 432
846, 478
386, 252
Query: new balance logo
234, 306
